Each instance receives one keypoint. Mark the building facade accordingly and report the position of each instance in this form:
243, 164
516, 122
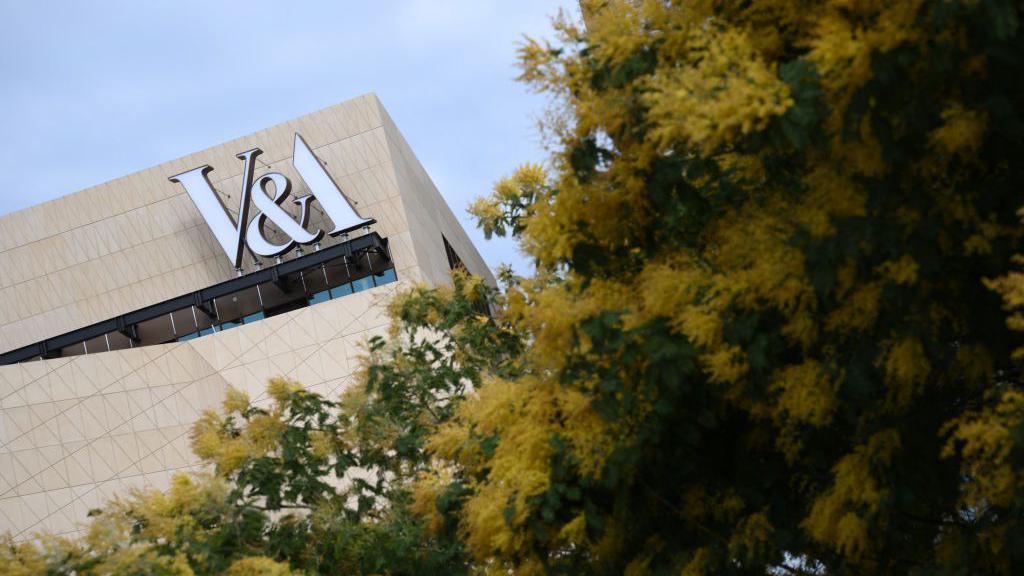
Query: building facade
123, 316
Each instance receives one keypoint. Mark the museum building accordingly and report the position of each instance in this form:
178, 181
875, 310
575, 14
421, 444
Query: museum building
128, 308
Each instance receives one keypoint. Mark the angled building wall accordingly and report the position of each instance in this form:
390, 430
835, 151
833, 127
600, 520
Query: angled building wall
76, 430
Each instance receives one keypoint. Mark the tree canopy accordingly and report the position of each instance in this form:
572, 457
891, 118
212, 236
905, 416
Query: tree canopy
773, 326
776, 308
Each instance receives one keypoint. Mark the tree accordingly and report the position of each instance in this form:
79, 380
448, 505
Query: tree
305, 484
774, 327
775, 250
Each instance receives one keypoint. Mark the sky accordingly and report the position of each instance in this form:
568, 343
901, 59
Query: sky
96, 90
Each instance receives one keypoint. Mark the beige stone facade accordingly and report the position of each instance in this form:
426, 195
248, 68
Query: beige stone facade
74, 431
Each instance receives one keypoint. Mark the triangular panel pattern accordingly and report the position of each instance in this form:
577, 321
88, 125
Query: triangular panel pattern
91, 427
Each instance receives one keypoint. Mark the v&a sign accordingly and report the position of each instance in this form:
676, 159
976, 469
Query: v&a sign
234, 236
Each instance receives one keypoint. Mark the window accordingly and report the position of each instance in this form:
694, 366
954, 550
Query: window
254, 317
455, 263
321, 296
333, 272
453, 258
341, 290
229, 324
364, 283
384, 277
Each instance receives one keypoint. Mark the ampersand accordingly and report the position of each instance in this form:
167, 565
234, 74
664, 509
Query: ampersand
270, 209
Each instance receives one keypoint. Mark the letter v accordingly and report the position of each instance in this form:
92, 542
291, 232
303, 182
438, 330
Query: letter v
228, 233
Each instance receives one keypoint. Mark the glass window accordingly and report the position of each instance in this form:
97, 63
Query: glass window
254, 317
364, 283
319, 283
184, 322
204, 321
160, 329
454, 262
231, 308
315, 282
321, 296
337, 272
385, 277
275, 299
343, 290
229, 324
118, 341
73, 350
286, 307
97, 344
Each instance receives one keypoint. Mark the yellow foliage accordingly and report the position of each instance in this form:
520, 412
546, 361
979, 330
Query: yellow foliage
698, 565
235, 400
1011, 288
521, 460
169, 514
797, 266
846, 35
205, 435
453, 442
425, 493
575, 531
962, 131
728, 90
258, 566
906, 369
902, 271
321, 443
858, 310
984, 439
20, 558
836, 517
750, 540
212, 442
806, 394
281, 389
143, 560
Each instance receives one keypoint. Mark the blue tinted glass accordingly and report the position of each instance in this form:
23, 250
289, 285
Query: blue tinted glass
384, 277
188, 336
230, 325
206, 331
319, 297
254, 317
343, 290
362, 284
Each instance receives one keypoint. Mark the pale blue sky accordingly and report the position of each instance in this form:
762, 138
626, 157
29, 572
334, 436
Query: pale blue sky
95, 90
